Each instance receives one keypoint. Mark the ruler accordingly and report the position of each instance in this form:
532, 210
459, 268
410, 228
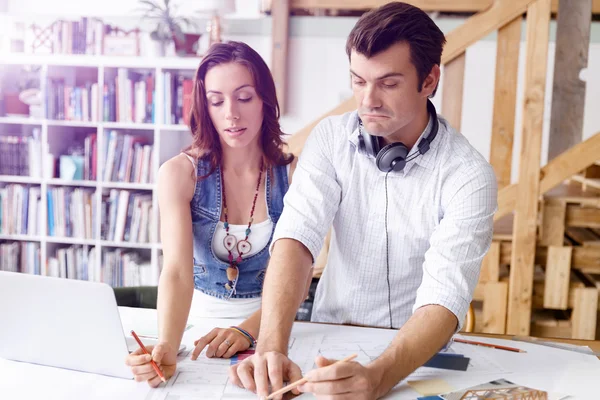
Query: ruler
557, 345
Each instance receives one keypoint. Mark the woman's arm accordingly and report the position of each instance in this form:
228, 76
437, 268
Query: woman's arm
176, 185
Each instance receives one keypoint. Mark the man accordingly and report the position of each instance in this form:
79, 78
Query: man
409, 231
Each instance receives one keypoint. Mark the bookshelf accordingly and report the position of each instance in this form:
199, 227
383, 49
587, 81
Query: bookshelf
57, 136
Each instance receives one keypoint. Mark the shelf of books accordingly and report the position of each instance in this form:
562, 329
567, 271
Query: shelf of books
78, 162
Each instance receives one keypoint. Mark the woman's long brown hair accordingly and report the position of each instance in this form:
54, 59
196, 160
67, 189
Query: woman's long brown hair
205, 137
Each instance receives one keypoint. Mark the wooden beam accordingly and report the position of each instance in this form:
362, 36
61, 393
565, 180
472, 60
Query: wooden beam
505, 100
568, 90
490, 267
494, 307
524, 234
452, 93
583, 217
426, 5
585, 312
552, 230
280, 16
558, 272
555, 172
482, 24
585, 259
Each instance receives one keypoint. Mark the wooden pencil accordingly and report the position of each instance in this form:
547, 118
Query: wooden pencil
495, 346
304, 380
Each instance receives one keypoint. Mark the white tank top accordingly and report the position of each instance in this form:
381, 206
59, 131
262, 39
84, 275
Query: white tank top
258, 238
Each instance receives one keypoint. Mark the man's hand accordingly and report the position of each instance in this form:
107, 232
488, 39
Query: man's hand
256, 372
346, 380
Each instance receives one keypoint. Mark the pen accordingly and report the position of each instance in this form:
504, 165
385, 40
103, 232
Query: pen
158, 371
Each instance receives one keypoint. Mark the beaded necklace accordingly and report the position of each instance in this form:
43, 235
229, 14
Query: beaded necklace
230, 241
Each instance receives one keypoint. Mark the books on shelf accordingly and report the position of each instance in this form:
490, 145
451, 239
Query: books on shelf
71, 212
20, 210
84, 36
71, 103
74, 262
127, 216
129, 97
21, 155
177, 98
20, 257
128, 158
126, 268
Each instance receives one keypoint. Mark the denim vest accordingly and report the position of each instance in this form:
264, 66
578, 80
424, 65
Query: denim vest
209, 271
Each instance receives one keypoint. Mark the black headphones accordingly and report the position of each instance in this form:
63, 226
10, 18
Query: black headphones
394, 156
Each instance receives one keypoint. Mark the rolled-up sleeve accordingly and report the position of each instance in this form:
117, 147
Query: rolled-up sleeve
314, 195
460, 241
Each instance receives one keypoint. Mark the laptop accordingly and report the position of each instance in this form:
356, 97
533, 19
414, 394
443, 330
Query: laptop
63, 323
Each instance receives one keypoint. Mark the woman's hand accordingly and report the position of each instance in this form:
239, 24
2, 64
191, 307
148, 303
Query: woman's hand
222, 342
162, 354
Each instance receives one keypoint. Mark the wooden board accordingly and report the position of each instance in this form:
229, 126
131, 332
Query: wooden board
524, 235
554, 173
585, 311
568, 91
426, 5
583, 236
586, 217
494, 307
552, 230
280, 13
490, 267
505, 100
452, 93
558, 272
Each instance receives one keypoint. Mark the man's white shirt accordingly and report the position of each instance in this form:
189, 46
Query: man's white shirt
439, 220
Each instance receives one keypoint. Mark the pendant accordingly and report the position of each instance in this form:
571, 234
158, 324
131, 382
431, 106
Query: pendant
244, 247
232, 273
229, 242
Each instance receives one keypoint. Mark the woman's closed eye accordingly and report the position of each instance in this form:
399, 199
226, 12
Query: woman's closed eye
243, 100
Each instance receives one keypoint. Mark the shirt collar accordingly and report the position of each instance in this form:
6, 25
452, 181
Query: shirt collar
426, 160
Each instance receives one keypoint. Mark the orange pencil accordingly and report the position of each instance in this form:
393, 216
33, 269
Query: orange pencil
158, 371
495, 346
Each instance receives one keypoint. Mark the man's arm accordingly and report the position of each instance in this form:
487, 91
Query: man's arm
290, 264
309, 208
419, 339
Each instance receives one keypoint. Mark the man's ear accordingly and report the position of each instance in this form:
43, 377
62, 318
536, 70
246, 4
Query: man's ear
431, 81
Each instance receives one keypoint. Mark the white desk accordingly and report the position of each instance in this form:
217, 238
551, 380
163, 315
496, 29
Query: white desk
550, 369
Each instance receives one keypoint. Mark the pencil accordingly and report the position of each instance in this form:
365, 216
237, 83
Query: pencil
495, 346
304, 380
158, 371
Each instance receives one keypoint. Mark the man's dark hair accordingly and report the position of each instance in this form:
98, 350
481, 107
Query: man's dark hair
380, 28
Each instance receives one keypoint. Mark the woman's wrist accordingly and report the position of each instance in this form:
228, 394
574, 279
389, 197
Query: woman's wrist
251, 339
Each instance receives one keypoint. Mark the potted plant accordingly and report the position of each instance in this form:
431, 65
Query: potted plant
169, 26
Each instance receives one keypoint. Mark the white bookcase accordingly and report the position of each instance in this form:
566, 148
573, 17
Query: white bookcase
167, 140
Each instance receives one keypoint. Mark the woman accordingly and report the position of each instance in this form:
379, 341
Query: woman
219, 203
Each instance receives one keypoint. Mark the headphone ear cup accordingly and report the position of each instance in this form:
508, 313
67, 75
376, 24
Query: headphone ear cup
392, 157
370, 143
